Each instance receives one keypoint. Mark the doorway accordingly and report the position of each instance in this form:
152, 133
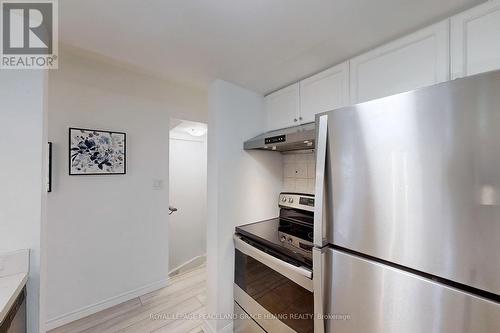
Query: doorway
188, 195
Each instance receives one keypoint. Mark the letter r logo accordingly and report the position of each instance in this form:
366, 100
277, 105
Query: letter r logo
27, 27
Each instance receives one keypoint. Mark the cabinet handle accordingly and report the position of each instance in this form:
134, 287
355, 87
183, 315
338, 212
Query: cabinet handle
300, 118
295, 120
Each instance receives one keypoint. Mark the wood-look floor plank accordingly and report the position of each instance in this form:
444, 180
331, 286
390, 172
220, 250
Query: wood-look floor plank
198, 329
168, 305
193, 291
185, 294
184, 325
180, 284
202, 298
193, 271
163, 317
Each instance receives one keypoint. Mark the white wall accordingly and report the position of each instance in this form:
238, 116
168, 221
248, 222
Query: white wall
243, 186
107, 235
22, 138
188, 193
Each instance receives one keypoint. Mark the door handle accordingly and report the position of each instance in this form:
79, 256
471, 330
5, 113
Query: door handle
319, 227
300, 275
319, 289
172, 210
321, 142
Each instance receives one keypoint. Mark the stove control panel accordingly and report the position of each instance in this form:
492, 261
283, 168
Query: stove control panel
297, 201
296, 244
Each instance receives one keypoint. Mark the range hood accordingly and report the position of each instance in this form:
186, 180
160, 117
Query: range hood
287, 139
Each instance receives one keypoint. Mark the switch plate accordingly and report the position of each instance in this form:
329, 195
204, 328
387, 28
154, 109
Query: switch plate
157, 184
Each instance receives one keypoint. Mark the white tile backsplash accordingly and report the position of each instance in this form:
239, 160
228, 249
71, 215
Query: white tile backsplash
289, 185
299, 172
289, 171
311, 170
311, 186
289, 158
301, 185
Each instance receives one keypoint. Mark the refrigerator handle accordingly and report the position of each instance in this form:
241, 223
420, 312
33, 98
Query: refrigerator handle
319, 289
321, 142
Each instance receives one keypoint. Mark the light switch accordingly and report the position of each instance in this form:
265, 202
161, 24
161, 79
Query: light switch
157, 184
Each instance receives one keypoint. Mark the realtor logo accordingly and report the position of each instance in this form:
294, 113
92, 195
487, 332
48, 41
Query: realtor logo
29, 34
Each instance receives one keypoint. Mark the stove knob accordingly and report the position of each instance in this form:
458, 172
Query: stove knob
290, 200
290, 240
283, 199
283, 238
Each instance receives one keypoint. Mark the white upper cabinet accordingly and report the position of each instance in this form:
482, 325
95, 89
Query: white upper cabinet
323, 92
282, 107
475, 40
418, 60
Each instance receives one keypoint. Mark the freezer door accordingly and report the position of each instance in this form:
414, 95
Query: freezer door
364, 296
414, 179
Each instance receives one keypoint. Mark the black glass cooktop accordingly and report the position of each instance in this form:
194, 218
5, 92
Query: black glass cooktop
267, 233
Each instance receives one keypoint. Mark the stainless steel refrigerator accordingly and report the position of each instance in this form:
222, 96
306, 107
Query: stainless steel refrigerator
407, 213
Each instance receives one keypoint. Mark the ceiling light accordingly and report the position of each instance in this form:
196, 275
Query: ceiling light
196, 131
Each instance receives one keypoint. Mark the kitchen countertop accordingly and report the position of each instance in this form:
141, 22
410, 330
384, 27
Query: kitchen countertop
14, 270
10, 288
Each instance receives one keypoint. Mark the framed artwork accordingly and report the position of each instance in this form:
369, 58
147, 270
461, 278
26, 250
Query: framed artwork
96, 152
49, 167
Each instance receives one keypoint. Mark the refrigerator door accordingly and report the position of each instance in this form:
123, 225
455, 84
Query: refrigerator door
414, 179
365, 296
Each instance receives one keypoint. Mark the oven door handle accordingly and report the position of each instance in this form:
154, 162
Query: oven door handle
300, 275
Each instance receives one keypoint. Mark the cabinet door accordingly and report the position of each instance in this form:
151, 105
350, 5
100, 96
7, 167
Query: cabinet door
323, 92
418, 60
282, 107
475, 40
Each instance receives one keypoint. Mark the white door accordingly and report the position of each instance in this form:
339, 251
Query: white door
187, 191
475, 40
324, 91
282, 108
418, 60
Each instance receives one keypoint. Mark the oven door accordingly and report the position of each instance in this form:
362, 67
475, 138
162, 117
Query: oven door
275, 293
243, 323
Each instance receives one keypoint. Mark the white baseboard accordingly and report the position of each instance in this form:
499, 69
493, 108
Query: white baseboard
196, 261
103, 305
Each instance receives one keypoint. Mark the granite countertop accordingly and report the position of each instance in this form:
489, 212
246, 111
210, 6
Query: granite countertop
14, 269
10, 288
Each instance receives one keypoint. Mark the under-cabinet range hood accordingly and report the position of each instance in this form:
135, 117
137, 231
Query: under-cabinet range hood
287, 139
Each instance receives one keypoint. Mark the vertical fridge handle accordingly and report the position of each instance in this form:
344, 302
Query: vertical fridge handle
319, 226
321, 142
319, 289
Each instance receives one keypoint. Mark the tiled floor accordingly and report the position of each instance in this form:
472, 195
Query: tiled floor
176, 308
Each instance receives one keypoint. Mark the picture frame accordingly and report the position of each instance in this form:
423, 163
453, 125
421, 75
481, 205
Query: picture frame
95, 152
49, 167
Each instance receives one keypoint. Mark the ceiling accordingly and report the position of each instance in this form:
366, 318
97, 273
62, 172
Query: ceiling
259, 44
188, 130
